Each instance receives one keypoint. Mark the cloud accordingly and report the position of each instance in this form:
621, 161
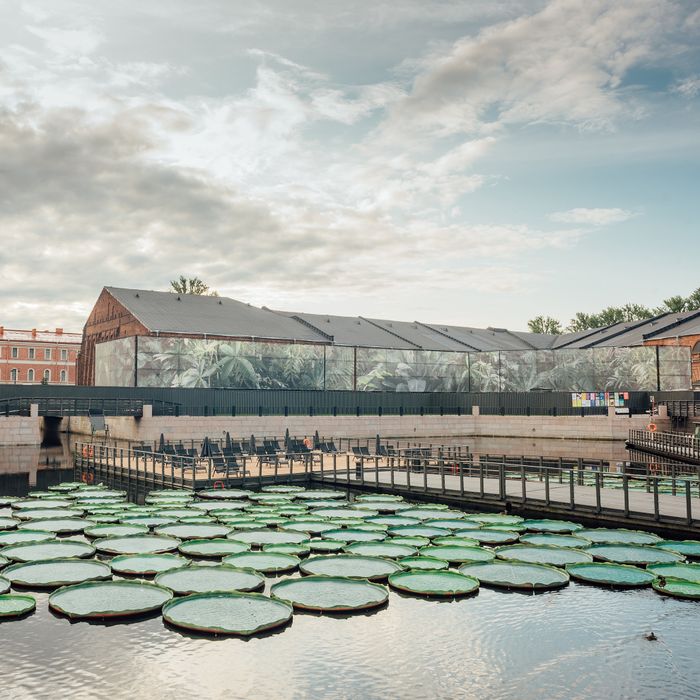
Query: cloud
592, 217
688, 87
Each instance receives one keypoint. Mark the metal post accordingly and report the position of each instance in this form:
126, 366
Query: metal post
597, 492
626, 494
571, 489
546, 485
688, 504
502, 480
656, 498
376, 472
522, 481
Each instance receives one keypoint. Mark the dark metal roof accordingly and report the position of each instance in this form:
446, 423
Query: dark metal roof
167, 312
483, 339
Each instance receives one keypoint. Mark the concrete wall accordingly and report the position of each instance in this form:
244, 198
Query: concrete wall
20, 430
149, 429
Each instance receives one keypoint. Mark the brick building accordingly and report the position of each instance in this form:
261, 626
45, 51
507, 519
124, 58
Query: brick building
686, 334
36, 357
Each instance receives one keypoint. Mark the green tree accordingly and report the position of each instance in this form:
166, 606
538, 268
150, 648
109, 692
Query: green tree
192, 285
693, 300
674, 305
544, 324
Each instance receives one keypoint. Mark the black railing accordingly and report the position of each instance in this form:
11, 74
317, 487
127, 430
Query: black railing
66, 406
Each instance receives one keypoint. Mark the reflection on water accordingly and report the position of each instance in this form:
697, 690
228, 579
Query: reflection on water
579, 642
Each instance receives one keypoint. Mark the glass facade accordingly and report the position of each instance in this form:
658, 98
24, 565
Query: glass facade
193, 362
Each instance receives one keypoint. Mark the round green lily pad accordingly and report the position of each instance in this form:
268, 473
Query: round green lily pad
4, 585
283, 488
214, 548
20, 536
555, 526
431, 513
3, 561
342, 513
296, 550
326, 545
543, 554
147, 520
108, 599
308, 526
488, 536
393, 520
633, 554
689, 548
555, 540
496, 519
677, 587
454, 540
434, 583
12, 605
372, 568
387, 549
193, 531
137, 544
241, 614
607, 574
320, 494
330, 594
354, 535
49, 549
208, 579
146, 564
687, 572
56, 572
115, 530
411, 541
220, 506
604, 536
61, 526
258, 538
32, 514
266, 562
424, 563
41, 503
510, 574
457, 553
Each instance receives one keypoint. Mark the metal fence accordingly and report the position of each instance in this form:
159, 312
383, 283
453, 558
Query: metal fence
265, 402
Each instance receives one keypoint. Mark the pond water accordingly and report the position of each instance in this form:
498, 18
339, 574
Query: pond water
578, 642
581, 641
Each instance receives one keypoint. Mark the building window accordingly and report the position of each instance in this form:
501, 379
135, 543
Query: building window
31, 353
14, 374
64, 354
64, 376
30, 375
15, 353
47, 353
47, 375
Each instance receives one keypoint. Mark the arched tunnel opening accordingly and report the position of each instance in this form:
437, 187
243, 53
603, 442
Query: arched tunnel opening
51, 431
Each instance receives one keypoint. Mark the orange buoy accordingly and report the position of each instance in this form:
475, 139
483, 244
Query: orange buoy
651, 427
218, 484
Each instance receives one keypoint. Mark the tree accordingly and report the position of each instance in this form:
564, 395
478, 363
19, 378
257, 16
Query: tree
693, 300
192, 285
609, 316
544, 324
674, 305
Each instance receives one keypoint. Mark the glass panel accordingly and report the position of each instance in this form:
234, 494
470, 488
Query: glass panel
114, 363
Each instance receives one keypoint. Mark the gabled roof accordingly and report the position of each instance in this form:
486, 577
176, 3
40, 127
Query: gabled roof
167, 312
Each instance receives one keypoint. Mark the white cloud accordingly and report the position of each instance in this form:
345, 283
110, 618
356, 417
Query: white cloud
688, 87
592, 217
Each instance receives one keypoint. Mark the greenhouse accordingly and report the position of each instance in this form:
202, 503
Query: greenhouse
168, 340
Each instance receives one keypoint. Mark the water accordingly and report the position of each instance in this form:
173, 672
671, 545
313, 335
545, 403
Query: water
579, 642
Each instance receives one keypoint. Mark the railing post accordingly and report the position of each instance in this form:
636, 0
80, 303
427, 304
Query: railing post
626, 493
502, 480
656, 498
572, 497
546, 485
522, 480
376, 471
597, 492
688, 504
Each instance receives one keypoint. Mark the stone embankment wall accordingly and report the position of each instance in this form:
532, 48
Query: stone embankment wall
149, 429
21, 430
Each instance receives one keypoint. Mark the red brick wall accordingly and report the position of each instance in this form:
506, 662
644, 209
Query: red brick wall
688, 341
108, 320
23, 363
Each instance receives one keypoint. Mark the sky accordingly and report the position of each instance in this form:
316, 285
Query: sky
474, 162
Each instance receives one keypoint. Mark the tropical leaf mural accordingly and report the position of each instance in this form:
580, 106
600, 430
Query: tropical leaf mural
194, 362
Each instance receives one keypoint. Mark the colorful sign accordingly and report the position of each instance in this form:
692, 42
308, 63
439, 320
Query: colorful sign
600, 399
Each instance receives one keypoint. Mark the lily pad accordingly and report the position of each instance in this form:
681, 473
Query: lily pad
419, 531
61, 526
296, 550
457, 553
4, 585
354, 535
146, 564
193, 531
555, 526
49, 549
372, 568
266, 562
12, 605
607, 574
116, 530
543, 554
489, 536
208, 579
687, 572
57, 572
387, 549
502, 574
678, 588
330, 594
137, 544
108, 599
424, 563
633, 554
223, 494
327, 545
214, 548
555, 540
689, 548
258, 538
434, 583
606, 536
20, 536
